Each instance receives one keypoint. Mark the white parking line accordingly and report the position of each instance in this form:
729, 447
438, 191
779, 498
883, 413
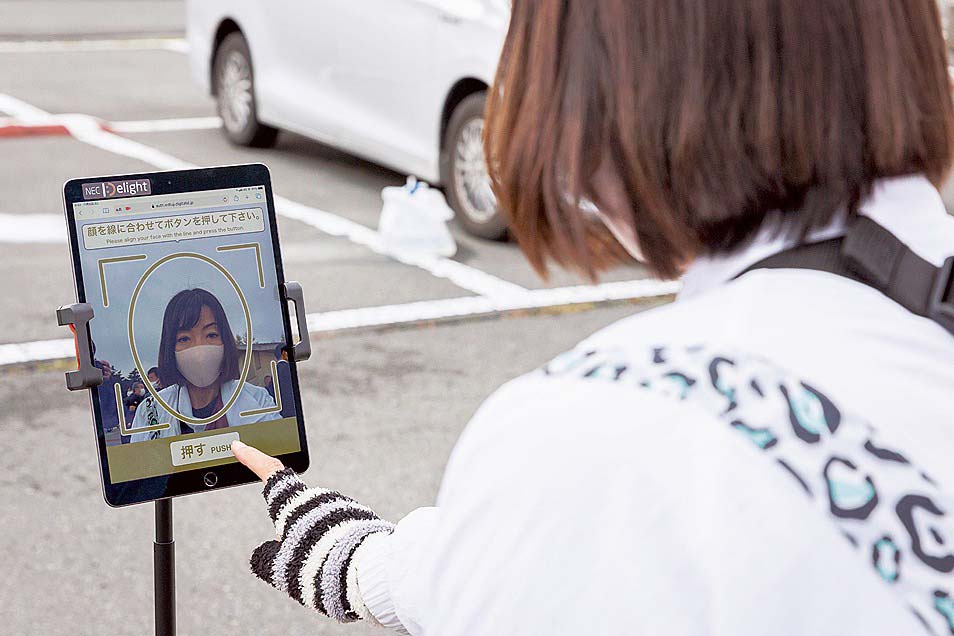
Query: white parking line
177, 45
89, 130
165, 125
32, 228
407, 314
463, 276
429, 310
122, 127
23, 112
51, 228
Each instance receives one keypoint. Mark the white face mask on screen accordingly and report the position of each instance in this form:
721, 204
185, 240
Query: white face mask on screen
200, 365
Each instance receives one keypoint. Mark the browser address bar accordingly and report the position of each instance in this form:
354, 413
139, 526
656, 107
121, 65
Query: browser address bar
203, 199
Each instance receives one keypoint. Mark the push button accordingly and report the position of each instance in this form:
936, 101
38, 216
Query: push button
202, 449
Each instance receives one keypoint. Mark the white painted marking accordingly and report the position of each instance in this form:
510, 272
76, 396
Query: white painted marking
163, 125
38, 351
404, 314
120, 127
177, 45
23, 112
32, 228
88, 130
424, 311
461, 275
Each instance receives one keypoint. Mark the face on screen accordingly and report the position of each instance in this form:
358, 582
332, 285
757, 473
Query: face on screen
197, 348
188, 328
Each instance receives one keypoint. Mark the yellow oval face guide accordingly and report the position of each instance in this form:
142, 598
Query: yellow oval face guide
152, 253
248, 329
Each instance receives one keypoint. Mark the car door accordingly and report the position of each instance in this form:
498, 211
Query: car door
302, 42
355, 72
386, 77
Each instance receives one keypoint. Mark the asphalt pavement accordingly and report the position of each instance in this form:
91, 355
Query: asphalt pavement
383, 402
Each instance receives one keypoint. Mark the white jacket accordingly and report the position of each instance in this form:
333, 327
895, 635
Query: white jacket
250, 398
595, 496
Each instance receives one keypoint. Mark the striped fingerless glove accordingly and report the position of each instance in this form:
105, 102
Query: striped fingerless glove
314, 559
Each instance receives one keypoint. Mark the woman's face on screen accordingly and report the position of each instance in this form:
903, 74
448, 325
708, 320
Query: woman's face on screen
199, 350
204, 332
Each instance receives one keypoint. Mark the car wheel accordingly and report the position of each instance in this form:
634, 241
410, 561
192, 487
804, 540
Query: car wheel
235, 95
464, 171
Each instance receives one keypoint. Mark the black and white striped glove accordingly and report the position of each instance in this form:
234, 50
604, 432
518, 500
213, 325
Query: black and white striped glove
319, 531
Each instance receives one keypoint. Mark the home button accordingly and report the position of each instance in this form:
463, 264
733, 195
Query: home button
210, 479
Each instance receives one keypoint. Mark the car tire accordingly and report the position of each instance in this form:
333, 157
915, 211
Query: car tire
464, 171
235, 95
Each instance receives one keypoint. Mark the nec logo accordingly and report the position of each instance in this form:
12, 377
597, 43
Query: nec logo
113, 189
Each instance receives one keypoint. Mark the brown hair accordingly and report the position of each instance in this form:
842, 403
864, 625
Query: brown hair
182, 314
706, 115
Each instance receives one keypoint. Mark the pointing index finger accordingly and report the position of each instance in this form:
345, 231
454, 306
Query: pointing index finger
264, 466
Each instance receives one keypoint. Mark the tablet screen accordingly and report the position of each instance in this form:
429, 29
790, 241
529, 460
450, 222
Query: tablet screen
189, 328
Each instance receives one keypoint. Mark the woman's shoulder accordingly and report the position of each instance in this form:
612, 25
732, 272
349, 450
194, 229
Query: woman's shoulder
579, 422
583, 400
611, 389
248, 389
168, 391
149, 404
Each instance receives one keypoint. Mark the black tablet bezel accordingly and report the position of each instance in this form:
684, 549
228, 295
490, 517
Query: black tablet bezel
191, 481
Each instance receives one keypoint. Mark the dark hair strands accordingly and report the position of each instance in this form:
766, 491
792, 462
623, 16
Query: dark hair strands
707, 117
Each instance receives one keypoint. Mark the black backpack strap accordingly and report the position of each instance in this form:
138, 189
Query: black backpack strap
871, 255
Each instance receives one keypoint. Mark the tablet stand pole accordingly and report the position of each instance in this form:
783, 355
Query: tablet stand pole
164, 570
86, 376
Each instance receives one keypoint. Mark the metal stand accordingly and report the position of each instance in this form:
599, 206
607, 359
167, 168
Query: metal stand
164, 570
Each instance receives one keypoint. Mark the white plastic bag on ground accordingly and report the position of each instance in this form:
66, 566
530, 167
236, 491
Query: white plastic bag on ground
414, 219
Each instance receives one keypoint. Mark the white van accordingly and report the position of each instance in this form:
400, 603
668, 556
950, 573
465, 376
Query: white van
399, 82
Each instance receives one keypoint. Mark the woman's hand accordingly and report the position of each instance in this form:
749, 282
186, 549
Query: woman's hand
256, 461
319, 532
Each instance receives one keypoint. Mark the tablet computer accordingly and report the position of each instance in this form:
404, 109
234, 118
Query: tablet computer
191, 327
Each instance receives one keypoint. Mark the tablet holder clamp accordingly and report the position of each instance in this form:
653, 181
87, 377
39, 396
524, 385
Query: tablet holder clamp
87, 375
77, 318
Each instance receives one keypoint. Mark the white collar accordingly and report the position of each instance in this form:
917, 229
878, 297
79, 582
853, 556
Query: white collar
909, 207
